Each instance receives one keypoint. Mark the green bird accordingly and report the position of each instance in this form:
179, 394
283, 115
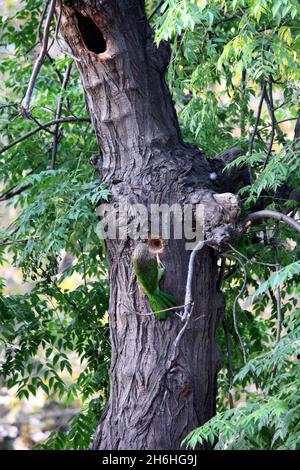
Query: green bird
149, 271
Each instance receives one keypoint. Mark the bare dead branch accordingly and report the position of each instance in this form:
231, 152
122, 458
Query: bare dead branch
188, 290
265, 214
25, 107
188, 302
180, 334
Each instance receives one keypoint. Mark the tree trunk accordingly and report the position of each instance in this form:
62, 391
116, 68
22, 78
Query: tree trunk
158, 393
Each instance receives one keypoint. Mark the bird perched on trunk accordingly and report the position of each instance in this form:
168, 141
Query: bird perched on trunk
149, 271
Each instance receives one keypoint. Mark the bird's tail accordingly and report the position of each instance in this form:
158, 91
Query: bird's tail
161, 301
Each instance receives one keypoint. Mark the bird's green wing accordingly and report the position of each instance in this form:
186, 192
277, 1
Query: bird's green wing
147, 275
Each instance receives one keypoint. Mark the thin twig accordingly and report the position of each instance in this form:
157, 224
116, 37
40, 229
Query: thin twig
271, 110
25, 107
42, 127
39, 28
259, 109
279, 306
180, 334
270, 105
297, 129
277, 303
227, 338
279, 122
39, 124
148, 314
230, 366
188, 302
243, 91
25, 240
84, 266
238, 296
58, 115
250, 260
9, 105
282, 104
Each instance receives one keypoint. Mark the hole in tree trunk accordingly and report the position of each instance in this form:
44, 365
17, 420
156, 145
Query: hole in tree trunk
156, 245
91, 34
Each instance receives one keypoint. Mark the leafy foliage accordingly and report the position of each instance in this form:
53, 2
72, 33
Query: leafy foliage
61, 319
226, 57
270, 417
222, 51
80, 433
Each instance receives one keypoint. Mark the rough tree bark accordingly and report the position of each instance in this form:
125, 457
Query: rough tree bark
154, 401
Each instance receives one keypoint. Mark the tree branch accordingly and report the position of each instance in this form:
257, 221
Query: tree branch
10, 193
40, 41
240, 293
40, 128
259, 109
25, 107
227, 337
297, 129
279, 122
58, 116
274, 123
265, 214
156, 9
188, 301
278, 301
